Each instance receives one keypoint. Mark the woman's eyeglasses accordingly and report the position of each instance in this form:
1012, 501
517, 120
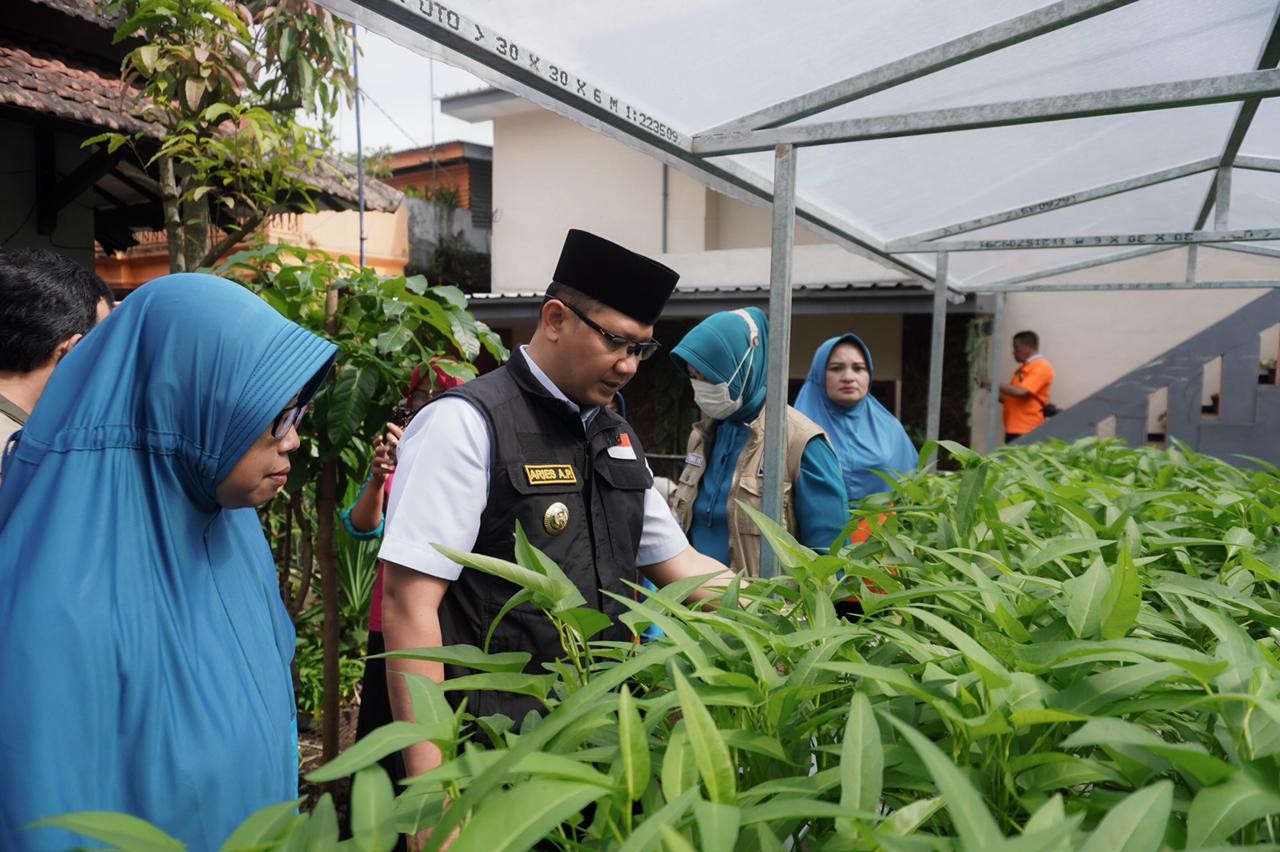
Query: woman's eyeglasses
288, 418
616, 343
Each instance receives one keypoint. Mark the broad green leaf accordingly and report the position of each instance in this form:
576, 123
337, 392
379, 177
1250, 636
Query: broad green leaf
1042, 716
373, 811
121, 830
1191, 757
1085, 595
320, 830
674, 841
1137, 824
791, 553
377, 744
586, 621
144, 58
972, 483
756, 743
992, 670
466, 656
520, 816
264, 828
1049, 815
528, 556
393, 340
1123, 598
861, 757
562, 768
717, 826
964, 803
906, 819
1096, 692
679, 769
1062, 547
647, 833
349, 400
1066, 772
1220, 811
548, 591
715, 765
430, 708
786, 808
633, 743
517, 682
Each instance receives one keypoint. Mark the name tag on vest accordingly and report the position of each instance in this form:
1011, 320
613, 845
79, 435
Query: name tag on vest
694, 460
550, 474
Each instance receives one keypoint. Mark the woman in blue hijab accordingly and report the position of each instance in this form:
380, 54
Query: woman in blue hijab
146, 648
867, 437
725, 358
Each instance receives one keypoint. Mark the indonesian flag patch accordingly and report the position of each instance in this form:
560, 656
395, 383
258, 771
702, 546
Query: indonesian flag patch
623, 449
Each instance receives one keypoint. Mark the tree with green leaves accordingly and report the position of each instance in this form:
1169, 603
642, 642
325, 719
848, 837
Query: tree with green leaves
232, 85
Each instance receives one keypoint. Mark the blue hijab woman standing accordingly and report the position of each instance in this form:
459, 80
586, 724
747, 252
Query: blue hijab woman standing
867, 437
146, 648
725, 358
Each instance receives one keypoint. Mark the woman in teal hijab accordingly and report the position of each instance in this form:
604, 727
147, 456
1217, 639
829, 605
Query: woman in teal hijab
868, 439
725, 358
146, 648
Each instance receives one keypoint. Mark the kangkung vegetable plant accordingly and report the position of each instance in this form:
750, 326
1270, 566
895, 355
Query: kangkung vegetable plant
1060, 647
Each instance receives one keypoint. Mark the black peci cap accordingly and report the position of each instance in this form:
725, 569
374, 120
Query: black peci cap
618, 277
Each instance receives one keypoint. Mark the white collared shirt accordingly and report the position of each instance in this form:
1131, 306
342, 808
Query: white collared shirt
442, 486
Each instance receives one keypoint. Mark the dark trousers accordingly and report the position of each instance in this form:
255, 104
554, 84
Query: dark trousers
1009, 437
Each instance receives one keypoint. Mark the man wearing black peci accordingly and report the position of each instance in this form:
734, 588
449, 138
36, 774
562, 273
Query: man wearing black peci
533, 442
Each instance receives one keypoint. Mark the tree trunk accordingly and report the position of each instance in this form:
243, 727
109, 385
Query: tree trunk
326, 509
172, 215
195, 222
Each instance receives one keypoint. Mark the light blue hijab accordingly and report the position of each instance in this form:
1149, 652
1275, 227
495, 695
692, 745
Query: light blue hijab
866, 436
145, 647
717, 345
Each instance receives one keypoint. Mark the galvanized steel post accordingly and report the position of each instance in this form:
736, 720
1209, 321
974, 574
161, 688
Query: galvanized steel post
994, 375
775, 424
933, 420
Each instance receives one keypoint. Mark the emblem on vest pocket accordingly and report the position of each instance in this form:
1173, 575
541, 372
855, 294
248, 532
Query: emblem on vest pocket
550, 474
556, 519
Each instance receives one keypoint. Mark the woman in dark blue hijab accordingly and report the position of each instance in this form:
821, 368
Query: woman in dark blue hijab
146, 648
868, 439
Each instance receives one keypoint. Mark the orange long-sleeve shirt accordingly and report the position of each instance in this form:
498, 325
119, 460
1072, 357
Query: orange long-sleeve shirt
1024, 413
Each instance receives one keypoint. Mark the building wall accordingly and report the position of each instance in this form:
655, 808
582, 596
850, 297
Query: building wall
881, 332
338, 233
1092, 339
550, 174
73, 236
733, 224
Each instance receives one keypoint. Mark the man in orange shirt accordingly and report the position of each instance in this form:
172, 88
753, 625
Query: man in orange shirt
1024, 397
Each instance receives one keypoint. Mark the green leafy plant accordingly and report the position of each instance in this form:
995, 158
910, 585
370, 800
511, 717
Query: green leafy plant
1061, 647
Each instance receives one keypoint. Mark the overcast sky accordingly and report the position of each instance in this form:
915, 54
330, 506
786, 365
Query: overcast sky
395, 81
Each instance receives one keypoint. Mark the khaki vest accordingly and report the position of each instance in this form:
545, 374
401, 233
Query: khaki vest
747, 484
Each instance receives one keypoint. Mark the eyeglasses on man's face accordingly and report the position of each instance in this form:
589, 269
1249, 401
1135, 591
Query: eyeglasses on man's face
288, 418
616, 343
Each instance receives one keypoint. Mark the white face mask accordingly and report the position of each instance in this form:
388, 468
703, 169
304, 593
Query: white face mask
715, 400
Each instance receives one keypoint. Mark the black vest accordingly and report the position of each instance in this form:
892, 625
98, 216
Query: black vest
542, 463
